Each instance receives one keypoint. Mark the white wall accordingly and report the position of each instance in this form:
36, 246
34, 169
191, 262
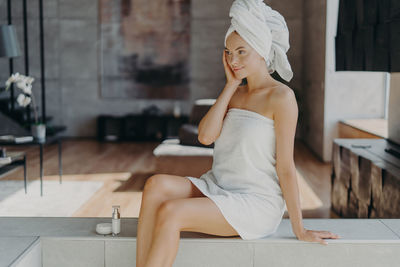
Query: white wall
348, 94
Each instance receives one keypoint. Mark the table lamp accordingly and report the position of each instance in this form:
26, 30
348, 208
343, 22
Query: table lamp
9, 46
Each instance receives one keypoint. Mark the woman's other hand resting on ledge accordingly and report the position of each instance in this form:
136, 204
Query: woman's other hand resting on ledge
316, 236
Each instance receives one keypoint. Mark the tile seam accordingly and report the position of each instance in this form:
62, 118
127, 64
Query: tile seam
389, 228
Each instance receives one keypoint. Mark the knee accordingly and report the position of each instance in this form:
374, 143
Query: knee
155, 184
168, 214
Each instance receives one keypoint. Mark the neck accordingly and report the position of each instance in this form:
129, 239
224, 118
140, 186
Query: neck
259, 80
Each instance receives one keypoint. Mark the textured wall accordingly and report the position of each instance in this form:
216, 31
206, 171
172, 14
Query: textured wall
209, 24
314, 74
72, 65
72, 58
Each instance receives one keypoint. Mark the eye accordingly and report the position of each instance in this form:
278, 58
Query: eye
227, 52
242, 51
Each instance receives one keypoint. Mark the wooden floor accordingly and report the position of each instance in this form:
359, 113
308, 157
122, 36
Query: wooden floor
124, 168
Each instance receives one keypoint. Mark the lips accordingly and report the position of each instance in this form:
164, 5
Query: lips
236, 69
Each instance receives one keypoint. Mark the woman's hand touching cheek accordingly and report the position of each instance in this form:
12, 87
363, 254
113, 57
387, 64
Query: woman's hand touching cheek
231, 79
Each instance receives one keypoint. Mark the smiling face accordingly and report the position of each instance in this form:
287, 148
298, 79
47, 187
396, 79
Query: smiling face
241, 57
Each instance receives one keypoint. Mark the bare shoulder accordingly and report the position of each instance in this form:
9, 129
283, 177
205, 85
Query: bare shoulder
283, 98
282, 94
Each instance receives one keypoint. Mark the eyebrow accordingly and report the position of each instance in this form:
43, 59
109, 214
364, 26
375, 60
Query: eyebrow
236, 48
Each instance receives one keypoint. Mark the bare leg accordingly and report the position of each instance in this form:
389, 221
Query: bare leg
198, 214
158, 189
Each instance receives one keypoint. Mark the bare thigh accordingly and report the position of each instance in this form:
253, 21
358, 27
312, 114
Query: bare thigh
169, 187
185, 206
199, 214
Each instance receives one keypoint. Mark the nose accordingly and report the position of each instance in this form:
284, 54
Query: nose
234, 60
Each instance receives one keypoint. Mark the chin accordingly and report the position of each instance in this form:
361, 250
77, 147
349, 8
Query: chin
241, 75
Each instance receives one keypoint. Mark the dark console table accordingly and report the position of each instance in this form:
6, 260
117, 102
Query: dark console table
17, 159
41, 144
366, 178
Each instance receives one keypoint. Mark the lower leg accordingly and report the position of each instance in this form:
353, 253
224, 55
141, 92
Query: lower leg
165, 245
158, 189
173, 216
146, 222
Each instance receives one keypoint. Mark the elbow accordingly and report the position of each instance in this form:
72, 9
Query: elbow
205, 140
286, 173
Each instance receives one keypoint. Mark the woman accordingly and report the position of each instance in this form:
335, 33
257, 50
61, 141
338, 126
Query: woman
253, 127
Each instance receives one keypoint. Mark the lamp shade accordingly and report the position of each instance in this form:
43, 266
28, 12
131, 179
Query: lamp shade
9, 46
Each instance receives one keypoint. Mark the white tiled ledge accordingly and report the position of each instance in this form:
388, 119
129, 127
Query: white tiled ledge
73, 242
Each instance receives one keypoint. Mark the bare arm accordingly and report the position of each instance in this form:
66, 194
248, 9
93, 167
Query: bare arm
285, 116
211, 124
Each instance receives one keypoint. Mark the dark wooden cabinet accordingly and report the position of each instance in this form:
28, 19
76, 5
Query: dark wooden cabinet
138, 127
365, 178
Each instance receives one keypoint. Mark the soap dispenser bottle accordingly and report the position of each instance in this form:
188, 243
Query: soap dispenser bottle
116, 220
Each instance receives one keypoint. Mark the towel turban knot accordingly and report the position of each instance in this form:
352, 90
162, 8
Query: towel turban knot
265, 30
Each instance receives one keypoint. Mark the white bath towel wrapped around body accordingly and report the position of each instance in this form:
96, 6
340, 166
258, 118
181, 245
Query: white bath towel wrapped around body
243, 182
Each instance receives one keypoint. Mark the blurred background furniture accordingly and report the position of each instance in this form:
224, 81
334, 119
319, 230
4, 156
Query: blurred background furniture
15, 160
138, 127
186, 156
366, 178
41, 143
188, 133
176, 159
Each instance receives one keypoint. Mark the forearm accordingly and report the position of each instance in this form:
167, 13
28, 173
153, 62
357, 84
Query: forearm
211, 124
290, 193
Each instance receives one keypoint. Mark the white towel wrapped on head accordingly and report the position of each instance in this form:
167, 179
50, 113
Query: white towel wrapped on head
265, 30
